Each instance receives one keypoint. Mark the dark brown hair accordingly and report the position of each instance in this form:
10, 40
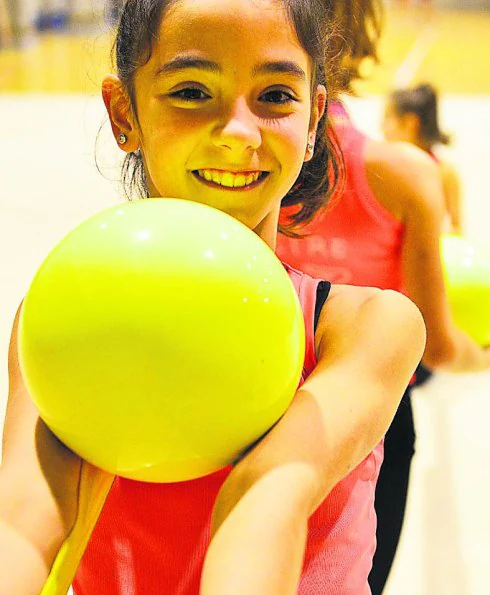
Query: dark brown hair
358, 26
137, 32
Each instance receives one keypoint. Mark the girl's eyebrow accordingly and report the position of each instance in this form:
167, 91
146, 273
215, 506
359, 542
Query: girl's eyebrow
281, 67
187, 62
180, 63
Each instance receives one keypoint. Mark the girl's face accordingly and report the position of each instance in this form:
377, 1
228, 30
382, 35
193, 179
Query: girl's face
398, 127
224, 107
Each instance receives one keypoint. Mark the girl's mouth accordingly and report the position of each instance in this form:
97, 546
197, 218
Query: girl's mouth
230, 180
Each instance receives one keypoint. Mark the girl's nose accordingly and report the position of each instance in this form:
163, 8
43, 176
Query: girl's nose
238, 129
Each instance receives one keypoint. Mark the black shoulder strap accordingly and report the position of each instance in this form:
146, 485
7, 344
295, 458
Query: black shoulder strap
322, 291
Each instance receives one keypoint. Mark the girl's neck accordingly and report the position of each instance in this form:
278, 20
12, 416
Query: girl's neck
267, 228
421, 144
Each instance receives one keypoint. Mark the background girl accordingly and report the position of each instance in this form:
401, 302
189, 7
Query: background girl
383, 230
412, 115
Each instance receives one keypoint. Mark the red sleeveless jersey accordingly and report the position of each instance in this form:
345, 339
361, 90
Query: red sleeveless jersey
354, 240
152, 538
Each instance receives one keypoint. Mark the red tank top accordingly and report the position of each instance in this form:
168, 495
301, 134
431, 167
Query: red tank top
355, 240
152, 538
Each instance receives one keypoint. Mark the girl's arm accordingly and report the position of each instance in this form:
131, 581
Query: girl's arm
408, 183
452, 195
368, 344
38, 490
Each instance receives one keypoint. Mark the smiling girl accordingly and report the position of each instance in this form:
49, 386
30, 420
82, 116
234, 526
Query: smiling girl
223, 102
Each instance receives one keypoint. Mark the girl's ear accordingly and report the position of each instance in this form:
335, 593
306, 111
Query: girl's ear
118, 106
319, 103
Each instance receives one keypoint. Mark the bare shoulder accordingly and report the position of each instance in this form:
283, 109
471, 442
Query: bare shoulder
398, 157
403, 177
369, 317
349, 300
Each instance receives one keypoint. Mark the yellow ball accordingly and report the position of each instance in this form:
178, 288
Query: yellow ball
160, 339
467, 274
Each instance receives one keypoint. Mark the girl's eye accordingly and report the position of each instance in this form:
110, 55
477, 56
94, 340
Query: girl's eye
190, 94
277, 96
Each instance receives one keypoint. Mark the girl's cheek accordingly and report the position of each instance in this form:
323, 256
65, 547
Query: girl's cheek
290, 128
295, 136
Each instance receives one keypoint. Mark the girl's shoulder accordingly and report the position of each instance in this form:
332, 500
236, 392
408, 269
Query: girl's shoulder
354, 315
403, 177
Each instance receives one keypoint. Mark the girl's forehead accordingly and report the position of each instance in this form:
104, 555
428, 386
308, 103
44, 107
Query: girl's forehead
230, 28
243, 8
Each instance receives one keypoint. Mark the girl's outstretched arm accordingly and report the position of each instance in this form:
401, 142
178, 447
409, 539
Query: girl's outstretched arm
408, 183
452, 195
368, 345
38, 490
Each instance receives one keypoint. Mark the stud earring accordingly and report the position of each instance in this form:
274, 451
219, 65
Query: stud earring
122, 139
310, 146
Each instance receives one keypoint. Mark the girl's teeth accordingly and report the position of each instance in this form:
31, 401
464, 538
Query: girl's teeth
240, 181
229, 179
